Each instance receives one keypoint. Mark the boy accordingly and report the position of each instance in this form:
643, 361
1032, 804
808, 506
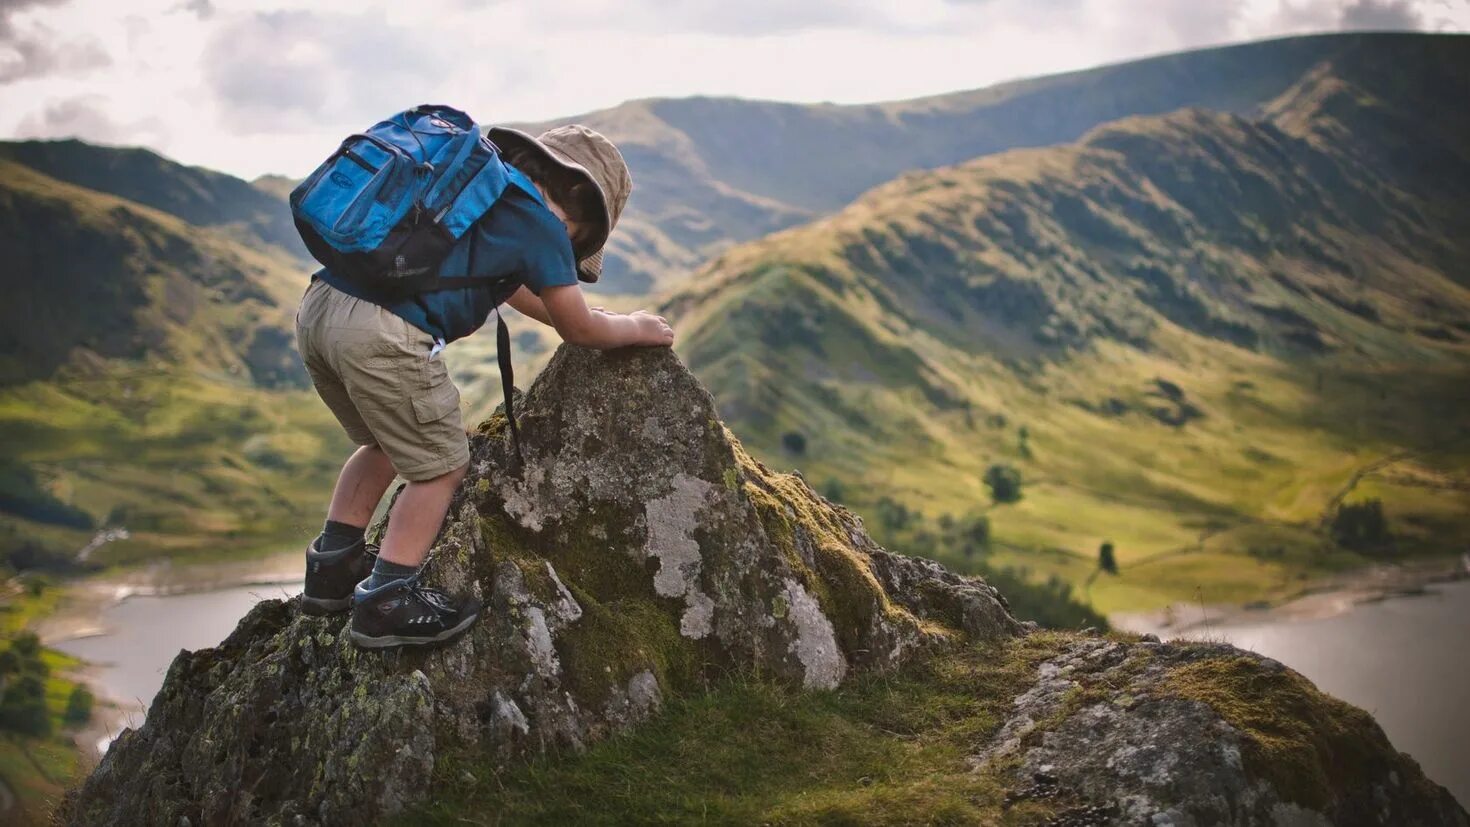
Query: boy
378, 368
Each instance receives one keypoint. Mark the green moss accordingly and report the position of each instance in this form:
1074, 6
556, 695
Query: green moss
496, 425
842, 581
625, 627
614, 641
1305, 742
881, 750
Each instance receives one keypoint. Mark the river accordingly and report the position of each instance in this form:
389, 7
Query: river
1404, 659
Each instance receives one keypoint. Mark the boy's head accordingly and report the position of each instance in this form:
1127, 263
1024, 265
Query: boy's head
583, 173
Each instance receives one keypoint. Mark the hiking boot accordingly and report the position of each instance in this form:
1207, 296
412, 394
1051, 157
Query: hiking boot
407, 613
332, 575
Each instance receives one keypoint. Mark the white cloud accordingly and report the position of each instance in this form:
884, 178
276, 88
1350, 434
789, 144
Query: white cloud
29, 48
1381, 14
252, 86
291, 69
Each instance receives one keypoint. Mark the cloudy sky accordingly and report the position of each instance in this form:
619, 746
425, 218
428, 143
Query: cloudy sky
253, 86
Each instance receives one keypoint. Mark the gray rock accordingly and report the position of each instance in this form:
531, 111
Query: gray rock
1139, 731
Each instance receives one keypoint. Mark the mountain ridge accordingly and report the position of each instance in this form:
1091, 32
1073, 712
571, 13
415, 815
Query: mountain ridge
199, 196
1188, 280
702, 164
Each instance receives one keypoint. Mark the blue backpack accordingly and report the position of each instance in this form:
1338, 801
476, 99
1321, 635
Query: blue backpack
386, 207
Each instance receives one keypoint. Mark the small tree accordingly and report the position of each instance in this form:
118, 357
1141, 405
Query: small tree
1361, 526
794, 442
1004, 482
892, 515
1105, 559
78, 706
23, 706
1023, 441
834, 490
26, 646
971, 536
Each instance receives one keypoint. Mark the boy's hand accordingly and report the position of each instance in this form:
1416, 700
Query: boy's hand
653, 331
596, 328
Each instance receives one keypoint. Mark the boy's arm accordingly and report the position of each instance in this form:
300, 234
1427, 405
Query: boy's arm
580, 325
529, 304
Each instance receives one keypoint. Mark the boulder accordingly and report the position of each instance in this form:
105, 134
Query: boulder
636, 551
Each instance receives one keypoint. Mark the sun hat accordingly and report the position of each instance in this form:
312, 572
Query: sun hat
588, 153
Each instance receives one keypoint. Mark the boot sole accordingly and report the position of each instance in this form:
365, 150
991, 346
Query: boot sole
388, 641
324, 605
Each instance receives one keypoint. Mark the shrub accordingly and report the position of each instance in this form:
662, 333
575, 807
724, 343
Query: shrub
833, 490
1361, 527
892, 515
78, 706
23, 706
27, 646
969, 536
1004, 482
793, 442
1050, 604
1105, 559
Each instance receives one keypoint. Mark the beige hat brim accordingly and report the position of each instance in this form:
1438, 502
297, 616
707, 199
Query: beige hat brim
589, 264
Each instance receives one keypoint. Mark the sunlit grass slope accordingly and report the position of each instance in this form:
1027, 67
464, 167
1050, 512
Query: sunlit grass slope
149, 382
1212, 330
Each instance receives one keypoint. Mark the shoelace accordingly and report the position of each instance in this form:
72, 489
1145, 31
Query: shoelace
433, 598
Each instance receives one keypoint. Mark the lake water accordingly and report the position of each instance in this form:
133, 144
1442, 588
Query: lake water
1406, 660
146, 632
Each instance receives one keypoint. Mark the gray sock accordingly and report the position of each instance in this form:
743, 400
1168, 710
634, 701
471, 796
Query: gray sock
385, 572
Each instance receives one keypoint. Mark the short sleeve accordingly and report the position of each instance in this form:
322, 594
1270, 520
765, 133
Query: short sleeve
546, 251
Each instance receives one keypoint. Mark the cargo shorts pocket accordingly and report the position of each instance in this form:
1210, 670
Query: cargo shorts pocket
436, 403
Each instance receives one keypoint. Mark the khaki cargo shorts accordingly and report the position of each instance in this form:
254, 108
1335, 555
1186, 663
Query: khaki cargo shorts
373, 370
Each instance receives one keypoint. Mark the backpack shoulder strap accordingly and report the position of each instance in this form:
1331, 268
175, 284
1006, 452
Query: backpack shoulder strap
507, 386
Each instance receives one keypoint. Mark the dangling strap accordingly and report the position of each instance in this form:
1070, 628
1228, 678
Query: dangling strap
507, 382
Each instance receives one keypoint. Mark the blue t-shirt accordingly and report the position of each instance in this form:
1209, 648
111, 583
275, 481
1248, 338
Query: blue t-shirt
519, 239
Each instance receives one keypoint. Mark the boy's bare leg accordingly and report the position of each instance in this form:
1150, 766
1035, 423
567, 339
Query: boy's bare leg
416, 517
365, 477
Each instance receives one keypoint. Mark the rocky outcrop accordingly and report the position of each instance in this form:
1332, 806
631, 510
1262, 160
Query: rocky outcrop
639, 553
1181, 735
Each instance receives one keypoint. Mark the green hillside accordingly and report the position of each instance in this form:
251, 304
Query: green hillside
198, 196
149, 382
712, 171
1194, 335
